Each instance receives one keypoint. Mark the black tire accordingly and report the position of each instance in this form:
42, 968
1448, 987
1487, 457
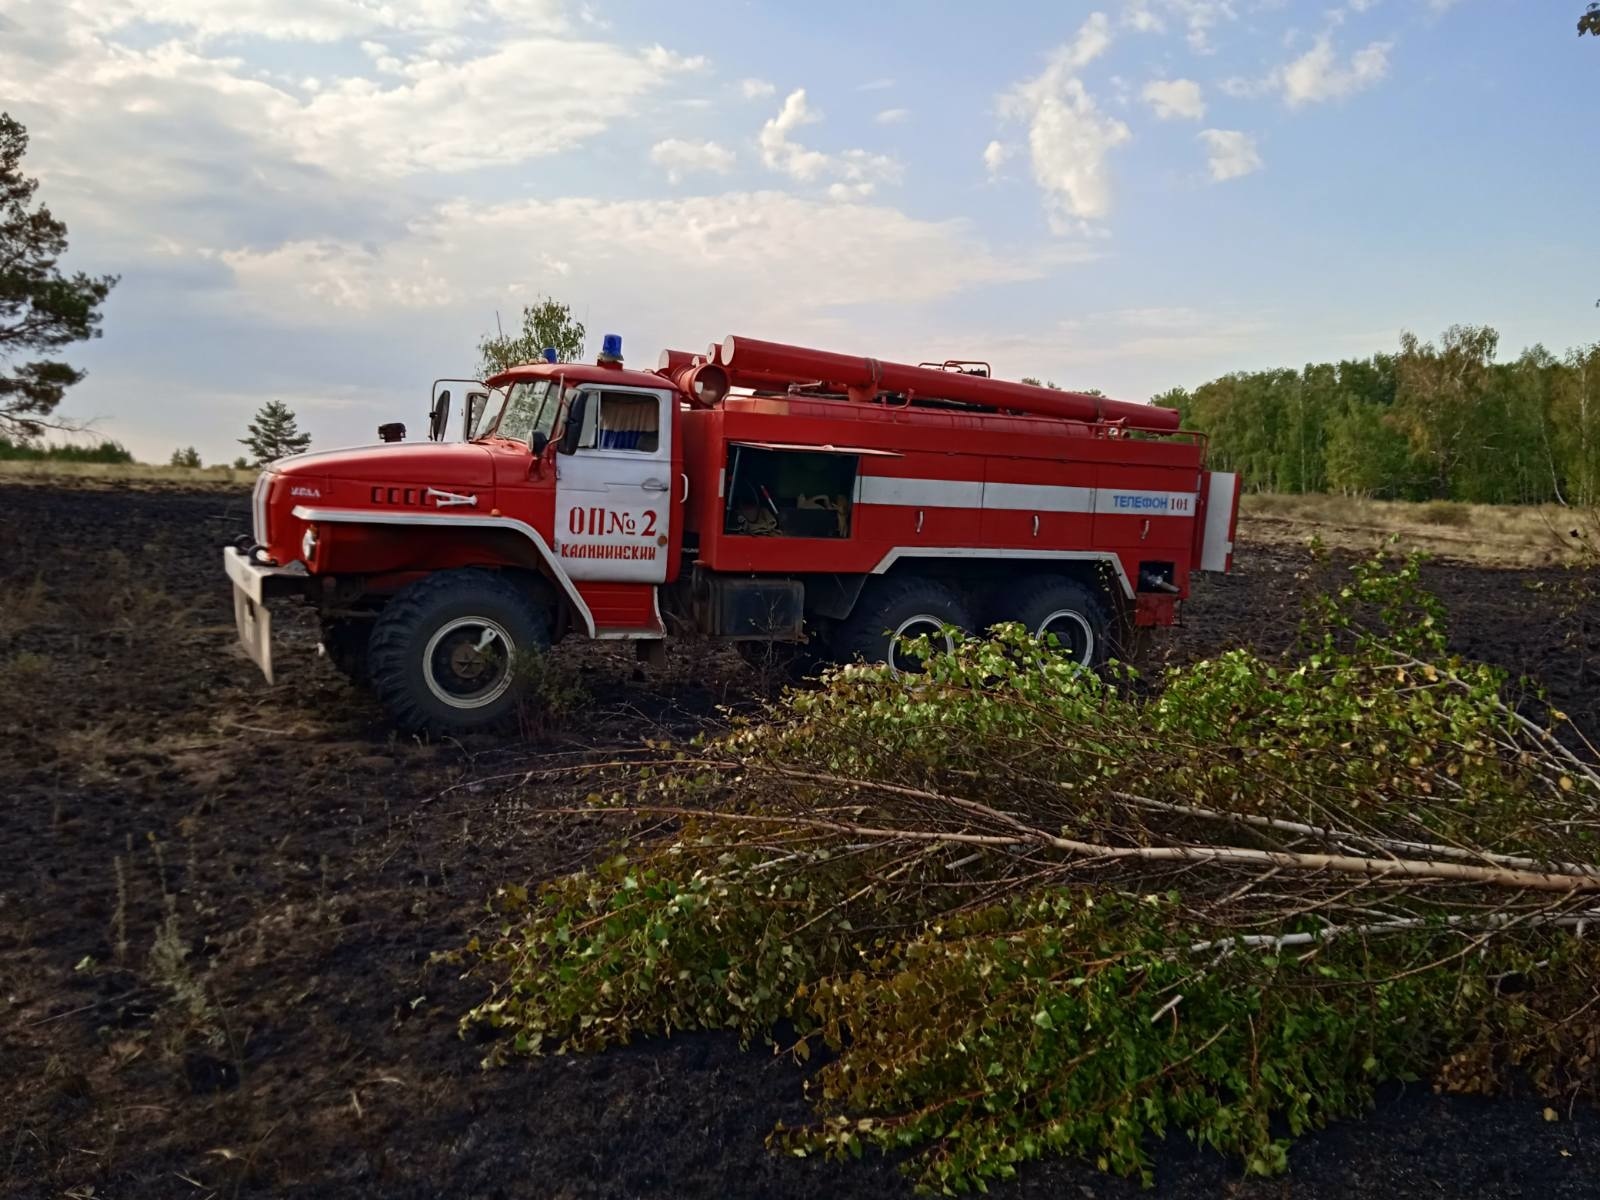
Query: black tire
1073, 612
344, 645
898, 605
442, 654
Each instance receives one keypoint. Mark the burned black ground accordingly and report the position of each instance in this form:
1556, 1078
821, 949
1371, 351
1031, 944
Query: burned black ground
219, 905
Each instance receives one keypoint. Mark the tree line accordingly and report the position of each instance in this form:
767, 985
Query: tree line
1434, 421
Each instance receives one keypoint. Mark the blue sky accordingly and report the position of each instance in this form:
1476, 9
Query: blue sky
327, 201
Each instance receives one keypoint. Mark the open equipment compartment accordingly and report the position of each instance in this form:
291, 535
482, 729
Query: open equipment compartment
779, 490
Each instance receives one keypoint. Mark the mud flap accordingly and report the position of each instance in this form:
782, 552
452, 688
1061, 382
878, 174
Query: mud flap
254, 622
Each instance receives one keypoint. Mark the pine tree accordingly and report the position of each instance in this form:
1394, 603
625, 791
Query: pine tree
274, 434
187, 456
40, 308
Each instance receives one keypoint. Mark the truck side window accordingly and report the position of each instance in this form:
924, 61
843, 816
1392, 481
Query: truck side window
622, 421
788, 493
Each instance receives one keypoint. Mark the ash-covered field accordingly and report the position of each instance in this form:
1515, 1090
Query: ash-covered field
219, 907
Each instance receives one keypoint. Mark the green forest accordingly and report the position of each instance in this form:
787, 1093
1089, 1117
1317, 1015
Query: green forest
1433, 421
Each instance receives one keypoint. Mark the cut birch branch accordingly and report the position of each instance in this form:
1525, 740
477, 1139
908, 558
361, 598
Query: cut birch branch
1428, 849
1373, 868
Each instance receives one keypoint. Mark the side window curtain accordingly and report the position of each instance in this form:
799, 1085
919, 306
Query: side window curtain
626, 421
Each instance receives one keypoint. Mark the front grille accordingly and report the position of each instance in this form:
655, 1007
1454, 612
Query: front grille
414, 496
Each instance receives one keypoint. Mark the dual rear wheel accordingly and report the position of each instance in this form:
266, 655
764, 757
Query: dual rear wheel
896, 609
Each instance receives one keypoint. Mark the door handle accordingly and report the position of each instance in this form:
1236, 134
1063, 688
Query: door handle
654, 485
684, 499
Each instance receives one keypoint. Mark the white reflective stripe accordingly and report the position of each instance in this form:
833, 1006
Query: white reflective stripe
1023, 497
919, 493
362, 516
1215, 545
1105, 556
1038, 497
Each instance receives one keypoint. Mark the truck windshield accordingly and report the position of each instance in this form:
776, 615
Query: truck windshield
531, 407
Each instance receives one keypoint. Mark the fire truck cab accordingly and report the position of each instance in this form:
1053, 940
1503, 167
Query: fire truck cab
795, 501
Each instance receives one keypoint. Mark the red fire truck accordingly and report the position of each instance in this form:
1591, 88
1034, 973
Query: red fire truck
788, 499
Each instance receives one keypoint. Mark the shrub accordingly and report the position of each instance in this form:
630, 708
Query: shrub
1445, 512
1033, 911
105, 452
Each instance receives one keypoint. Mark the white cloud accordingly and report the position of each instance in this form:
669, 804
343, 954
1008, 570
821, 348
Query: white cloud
1160, 346
780, 152
1241, 88
692, 255
1068, 136
1230, 153
856, 173
423, 114
452, 116
662, 59
1318, 75
1138, 17
680, 158
339, 276
756, 89
875, 85
995, 155
1094, 35
892, 116
1197, 18
316, 20
1174, 99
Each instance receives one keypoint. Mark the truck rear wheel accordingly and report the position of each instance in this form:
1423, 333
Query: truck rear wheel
443, 653
892, 610
1072, 613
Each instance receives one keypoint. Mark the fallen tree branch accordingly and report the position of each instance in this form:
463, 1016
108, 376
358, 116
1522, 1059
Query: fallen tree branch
1375, 868
1430, 849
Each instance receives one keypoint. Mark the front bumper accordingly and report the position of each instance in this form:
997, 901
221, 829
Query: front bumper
253, 583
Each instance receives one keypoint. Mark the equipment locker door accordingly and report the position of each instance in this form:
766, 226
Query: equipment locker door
614, 492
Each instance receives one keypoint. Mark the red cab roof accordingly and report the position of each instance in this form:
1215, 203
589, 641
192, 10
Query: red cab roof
580, 373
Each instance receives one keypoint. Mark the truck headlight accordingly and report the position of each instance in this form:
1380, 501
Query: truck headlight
308, 544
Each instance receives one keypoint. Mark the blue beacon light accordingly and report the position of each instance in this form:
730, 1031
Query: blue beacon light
549, 354
611, 345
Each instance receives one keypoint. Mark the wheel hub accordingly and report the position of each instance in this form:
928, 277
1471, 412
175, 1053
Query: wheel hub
1073, 634
467, 662
922, 625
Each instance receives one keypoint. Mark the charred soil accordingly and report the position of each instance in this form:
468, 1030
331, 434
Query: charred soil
219, 907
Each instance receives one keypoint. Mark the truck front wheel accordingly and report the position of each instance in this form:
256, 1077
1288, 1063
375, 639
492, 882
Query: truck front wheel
444, 651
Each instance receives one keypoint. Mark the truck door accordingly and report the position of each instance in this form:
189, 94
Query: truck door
614, 491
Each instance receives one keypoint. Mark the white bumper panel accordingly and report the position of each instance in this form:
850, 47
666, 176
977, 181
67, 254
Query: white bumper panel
250, 613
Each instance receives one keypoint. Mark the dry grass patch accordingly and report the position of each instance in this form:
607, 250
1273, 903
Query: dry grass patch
51, 471
1484, 534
